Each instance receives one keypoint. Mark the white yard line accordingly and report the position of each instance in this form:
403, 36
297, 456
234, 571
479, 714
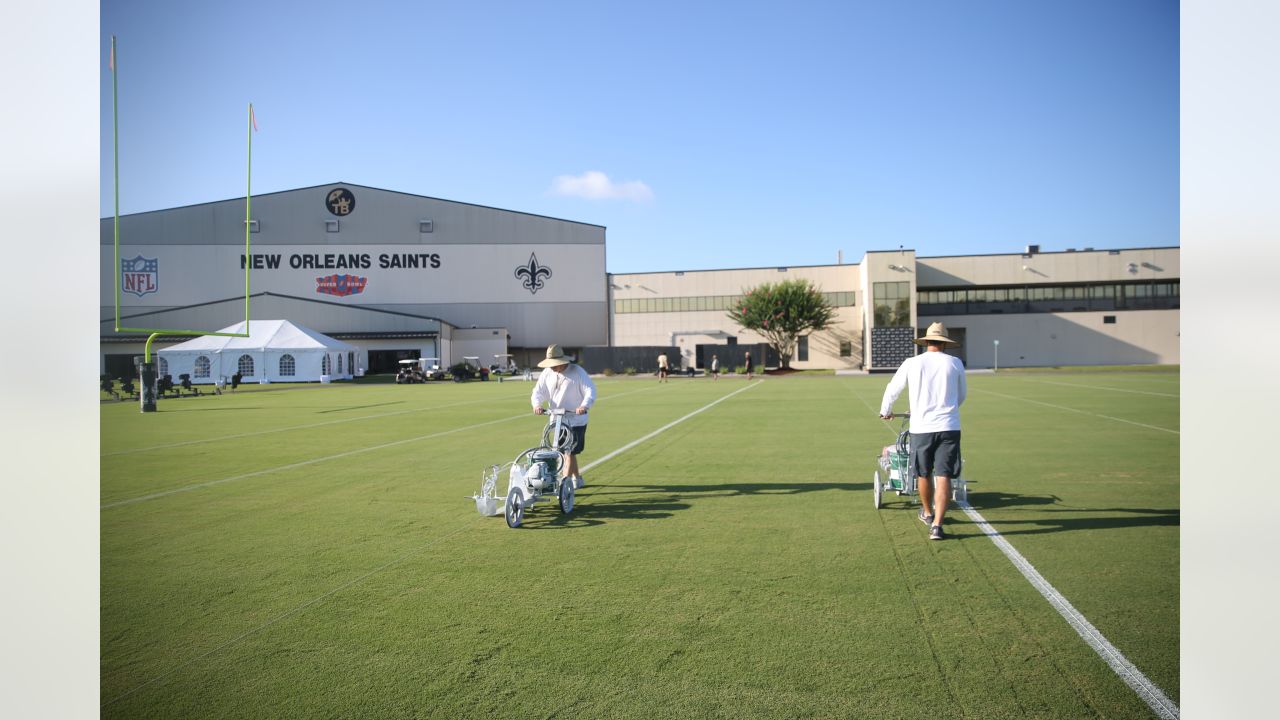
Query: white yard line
306, 427
304, 463
313, 461
1100, 387
289, 613
668, 426
1082, 412
1152, 695
296, 427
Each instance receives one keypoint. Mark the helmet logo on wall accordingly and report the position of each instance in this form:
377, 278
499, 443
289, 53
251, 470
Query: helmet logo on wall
340, 201
533, 274
139, 275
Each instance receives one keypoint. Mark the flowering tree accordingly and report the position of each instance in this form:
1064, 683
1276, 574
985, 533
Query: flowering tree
782, 312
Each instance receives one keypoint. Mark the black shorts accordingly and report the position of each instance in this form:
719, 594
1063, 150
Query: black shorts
579, 442
935, 454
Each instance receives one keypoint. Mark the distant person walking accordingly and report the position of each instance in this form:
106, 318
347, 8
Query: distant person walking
748, 366
663, 369
565, 386
937, 389
715, 368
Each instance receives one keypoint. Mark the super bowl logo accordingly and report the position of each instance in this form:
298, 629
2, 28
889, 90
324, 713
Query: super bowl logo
341, 285
140, 276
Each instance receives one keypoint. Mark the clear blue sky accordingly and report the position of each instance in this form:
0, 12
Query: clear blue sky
702, 135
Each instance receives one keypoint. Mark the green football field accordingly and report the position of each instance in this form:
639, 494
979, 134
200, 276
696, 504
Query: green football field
310, 551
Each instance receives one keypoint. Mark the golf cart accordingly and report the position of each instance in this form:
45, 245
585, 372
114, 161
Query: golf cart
430, 368
504, 364
408, 373
469, 368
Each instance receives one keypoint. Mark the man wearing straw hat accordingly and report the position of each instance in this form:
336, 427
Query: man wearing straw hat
567, 387
937, 388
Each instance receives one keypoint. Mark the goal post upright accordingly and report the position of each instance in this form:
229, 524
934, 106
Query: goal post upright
148, 395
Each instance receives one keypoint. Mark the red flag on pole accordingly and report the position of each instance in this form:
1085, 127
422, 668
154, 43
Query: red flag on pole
111, 62
253, 118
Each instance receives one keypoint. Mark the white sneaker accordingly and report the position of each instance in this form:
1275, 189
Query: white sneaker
578, 482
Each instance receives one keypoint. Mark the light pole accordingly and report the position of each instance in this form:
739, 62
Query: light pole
997, 351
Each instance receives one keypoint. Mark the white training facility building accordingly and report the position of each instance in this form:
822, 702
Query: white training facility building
404, 276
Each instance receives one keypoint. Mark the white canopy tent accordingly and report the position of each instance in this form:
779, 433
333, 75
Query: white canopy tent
275, 351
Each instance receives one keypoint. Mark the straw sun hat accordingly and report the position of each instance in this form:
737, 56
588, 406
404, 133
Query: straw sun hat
555, 356
937, 332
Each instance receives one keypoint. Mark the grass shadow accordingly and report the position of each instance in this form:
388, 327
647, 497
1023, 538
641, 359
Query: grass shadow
207, 409
734, 489
596, 507
1057, 521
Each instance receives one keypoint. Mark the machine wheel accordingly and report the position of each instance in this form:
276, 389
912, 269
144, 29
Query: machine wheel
567, 493
877, 487
514, 509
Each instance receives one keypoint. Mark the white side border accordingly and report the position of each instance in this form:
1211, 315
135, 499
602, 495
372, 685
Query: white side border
1147, 690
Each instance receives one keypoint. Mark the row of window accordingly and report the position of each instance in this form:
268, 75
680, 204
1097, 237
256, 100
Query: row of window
245, 366
707, 302
1050, 298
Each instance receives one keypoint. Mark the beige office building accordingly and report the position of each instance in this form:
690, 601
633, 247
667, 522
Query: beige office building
1077, 307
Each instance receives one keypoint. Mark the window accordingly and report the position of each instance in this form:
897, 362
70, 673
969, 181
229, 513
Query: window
1108, 319
163, 367
802, 348
339, 363
324, 365
287, 366
892, 304
846, 348
245, 365
202, 367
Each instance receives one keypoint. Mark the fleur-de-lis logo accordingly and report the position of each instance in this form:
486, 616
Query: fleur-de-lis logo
533, 274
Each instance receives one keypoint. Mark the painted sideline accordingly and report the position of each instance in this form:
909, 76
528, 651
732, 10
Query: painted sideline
1153, 696
1131, 675
319, 598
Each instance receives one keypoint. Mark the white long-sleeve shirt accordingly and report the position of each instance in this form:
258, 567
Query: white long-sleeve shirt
569, 391
937, 388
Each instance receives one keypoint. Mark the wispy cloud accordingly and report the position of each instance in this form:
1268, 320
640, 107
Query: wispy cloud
595, 185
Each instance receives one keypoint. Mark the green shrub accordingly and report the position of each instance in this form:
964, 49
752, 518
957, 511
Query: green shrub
608, 372
740, 370
629, 370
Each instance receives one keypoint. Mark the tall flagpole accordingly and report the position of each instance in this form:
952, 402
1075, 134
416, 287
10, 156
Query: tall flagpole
248, 193
115, 150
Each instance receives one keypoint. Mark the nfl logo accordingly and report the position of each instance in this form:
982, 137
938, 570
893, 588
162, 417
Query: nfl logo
140, 276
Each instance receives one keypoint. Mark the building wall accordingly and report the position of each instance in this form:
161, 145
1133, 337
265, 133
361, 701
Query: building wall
687, 329
1138, 337
1050, 268
483, 343
1027, 339
466, 271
